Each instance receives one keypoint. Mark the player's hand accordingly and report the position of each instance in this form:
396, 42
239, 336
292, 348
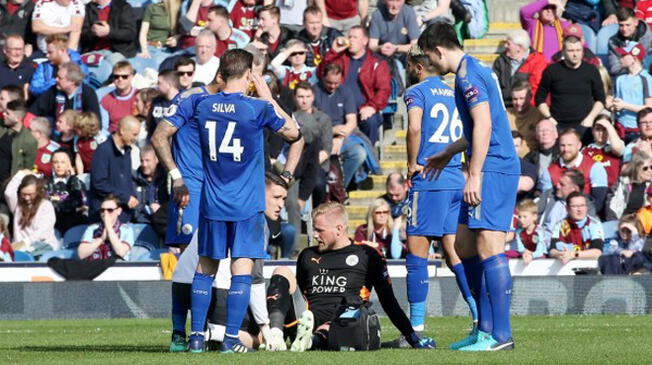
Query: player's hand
180, 193
435, 164
132, 203
472, 190
421, 342
413, 169
262, 88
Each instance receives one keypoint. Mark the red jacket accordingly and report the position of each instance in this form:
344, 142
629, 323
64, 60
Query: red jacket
374, 77
533, 67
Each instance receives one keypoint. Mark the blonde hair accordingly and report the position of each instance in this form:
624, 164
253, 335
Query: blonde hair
87, 124
606, 80
332, 209
527, 205
370, 217
69, 116
633, 221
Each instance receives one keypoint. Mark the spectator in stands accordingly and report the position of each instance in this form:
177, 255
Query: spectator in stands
110, 237
645, 213
547, 149
157, 36
393, 29
10, 93
575, 90
606, 148
370, 86
17, 145
65, 126
395, 193
628, 194
575, 30
206, 64
545, 30
291, 12
243, 16
518, 63
62, 17
570, 157
44, 76
529, 174
66, 192
144, 99
6, 251
270, 35
577, 236
41, 131
88, 137
162, 106
110, 26
68, 93
317, 35
111, 170
629, 240
633, 90
16, 18
194, 20
185, 68
529, 236
119, 103
34, 215
523, 116
629, 29
381, 231
644, 141
151, 186
227, 36
343, 14
295, 52
15, 69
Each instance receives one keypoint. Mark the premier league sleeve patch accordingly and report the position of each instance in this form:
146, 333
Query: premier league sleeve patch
471, 94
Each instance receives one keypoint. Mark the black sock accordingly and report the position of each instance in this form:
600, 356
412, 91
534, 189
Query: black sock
278, 300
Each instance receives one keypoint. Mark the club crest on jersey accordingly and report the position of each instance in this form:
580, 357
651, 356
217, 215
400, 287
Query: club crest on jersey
93, 145
186, 229
45, 158
352, 260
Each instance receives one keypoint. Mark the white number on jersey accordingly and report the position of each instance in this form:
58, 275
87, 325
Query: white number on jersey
228, 145
455, 130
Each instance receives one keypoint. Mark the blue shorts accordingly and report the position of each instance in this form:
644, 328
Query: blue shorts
498, 202
244, 238
433, 213
180, 233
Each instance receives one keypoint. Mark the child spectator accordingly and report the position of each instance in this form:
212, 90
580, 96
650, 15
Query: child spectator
66, 128
630, 238
645, 214
530, 242
291, 75
6, 252
381, 231
108, 238
607, 147
34, 216
66, 192
87, 138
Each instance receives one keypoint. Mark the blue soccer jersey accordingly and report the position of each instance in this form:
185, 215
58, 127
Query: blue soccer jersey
440, 126
476, 84
231, 134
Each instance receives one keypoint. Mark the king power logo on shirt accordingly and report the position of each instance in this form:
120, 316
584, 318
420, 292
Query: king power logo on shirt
328, 284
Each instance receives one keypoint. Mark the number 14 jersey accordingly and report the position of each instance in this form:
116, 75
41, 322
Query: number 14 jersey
231, 135
440, 126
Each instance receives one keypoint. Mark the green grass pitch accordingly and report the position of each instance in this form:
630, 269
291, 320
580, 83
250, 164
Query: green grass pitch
539, 339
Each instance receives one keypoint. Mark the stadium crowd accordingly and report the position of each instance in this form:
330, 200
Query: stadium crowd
83, 87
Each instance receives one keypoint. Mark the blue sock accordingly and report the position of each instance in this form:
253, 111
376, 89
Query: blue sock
477, 284
237, 303
417, 288
180, 307
460, 277
499, 285
200, 300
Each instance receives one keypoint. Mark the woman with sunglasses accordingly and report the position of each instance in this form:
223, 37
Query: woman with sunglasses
628, 195
108, 238
381, 231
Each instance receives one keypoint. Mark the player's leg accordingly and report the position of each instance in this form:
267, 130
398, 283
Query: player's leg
454, 263
282, 286
180, 307
217, 322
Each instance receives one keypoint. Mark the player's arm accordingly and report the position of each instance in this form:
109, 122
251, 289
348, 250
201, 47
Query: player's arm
161, 143
435, 164
481, 116
413, 140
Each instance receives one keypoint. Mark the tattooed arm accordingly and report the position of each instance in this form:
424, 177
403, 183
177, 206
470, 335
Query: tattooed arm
161, 143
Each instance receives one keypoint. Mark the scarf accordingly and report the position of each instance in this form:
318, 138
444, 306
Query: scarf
104, 251
61, 100
538, 34
571, 232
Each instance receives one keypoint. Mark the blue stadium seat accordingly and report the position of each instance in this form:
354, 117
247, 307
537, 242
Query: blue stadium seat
145, 233
589, 37
139, 253
610, 229
156, 254
73, 236
602, 45
62, 254
22, 256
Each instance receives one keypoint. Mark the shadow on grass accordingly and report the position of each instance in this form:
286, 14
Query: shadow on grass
93, 348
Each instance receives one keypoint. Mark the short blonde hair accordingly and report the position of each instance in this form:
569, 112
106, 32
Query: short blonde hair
88, 124
527, 205
333, 209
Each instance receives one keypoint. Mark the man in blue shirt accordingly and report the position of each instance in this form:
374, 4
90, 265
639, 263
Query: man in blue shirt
393, 29
491, 186
231, 218
433, 124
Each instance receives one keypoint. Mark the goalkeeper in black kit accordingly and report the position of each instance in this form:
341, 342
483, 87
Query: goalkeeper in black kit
328, 276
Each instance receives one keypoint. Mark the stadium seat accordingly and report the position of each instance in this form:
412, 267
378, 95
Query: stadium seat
22, 256
145, 233
73, 236
62, 254
589, 37
139, 253
610, 229
156, 254
602, 42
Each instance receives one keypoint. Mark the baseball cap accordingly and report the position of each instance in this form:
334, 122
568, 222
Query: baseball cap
550, 6
634, 48
573, 30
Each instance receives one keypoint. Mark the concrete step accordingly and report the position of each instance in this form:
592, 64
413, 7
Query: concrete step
500, 29
395, 153
357, 211
505, 10
379, 181
486, 58
354, 223
364, 197
486, 45
391, 166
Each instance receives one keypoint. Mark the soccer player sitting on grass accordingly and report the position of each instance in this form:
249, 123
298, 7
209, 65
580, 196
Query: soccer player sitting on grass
490, 190
334, 269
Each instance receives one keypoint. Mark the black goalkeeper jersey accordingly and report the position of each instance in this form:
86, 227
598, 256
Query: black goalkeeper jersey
324, 278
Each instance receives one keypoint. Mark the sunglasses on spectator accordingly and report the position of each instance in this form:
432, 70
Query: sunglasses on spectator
124, 77
297, 53
646, 168
186, 73
381, 212
109, 210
